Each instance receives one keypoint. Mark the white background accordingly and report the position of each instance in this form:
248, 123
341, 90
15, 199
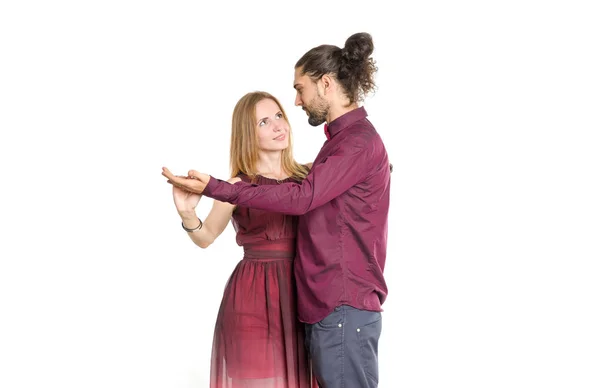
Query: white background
490, 114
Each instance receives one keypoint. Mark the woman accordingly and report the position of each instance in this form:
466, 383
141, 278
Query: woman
258, 342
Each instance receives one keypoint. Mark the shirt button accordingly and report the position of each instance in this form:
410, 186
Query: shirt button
358, 330
339, 325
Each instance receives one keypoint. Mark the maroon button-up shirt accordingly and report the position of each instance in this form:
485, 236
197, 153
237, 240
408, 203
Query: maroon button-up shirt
342, 230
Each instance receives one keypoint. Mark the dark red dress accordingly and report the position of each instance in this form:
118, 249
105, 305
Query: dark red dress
258, 341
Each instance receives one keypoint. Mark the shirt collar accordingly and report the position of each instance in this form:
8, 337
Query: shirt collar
344, 121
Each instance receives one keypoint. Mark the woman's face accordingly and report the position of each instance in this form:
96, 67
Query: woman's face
272, 128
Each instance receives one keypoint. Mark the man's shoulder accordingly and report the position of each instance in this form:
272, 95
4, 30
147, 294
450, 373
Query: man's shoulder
362, 133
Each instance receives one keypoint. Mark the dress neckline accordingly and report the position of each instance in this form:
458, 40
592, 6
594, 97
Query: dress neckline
274, 179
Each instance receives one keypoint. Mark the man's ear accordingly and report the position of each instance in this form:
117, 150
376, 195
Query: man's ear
327, 83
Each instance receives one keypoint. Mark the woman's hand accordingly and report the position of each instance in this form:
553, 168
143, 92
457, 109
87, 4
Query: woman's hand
185, 201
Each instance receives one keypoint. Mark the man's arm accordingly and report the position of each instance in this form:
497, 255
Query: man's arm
326, 181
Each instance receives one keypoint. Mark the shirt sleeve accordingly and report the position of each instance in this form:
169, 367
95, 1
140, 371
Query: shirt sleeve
326, 181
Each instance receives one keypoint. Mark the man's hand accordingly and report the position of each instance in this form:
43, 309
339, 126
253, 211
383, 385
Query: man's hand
195, 182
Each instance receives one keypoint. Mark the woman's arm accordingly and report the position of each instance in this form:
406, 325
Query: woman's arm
213, 226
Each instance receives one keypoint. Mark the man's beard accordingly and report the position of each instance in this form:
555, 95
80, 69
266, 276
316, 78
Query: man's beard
317, 111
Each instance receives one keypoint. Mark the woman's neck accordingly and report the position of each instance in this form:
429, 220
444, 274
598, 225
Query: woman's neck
270, 165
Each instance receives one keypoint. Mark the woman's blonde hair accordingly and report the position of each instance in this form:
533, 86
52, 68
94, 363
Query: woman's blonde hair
244, 139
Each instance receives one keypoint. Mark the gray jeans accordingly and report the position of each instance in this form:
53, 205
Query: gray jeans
343, 348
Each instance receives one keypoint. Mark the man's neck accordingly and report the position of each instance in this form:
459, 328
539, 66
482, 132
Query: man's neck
335, 112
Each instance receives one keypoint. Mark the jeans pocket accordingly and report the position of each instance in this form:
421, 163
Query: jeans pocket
368, 338
334, 319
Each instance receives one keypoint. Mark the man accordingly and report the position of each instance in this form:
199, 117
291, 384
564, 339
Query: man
343, 205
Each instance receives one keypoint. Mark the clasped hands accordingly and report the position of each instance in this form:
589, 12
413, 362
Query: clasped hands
194, 182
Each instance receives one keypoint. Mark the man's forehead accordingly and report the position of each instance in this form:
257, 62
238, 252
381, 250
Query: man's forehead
299, 79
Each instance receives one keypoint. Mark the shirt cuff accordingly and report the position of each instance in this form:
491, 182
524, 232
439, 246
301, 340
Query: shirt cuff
212, 187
